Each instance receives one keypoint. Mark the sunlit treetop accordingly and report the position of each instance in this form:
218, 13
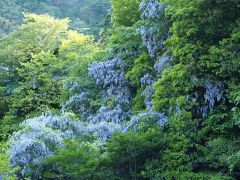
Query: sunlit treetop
125, 12
76, 38
38, 33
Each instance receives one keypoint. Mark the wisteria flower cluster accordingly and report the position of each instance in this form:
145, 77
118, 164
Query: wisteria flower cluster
162, 62
146, 81
213, 94
78, 102
149, 117
108, 72
153, 28
110, 76
115, 115
151, 9
41, 136
103, 130
151, 40
37, 140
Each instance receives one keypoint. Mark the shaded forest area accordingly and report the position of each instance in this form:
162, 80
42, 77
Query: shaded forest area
87, 16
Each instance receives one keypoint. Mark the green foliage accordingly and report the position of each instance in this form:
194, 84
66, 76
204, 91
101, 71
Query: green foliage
138, 101
81, 163
76, 53
6, 172
142, 65
25, 57
44, 54
40, 86
127, 153
125, 43
125, 12
87, 15
9, 124
170, 89
37, 33
203, 52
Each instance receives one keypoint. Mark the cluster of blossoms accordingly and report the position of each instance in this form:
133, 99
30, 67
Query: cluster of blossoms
153, 29
103, 130
147, 81
74, 85
115, 115
162, 62
78, 102
149, 117
213, 94
37, 140
71, 86
151, 9
175, 109
41, 136
151, 40
109, 75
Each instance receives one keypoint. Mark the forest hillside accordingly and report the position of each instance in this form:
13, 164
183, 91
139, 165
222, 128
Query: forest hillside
126, 90
87, 16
